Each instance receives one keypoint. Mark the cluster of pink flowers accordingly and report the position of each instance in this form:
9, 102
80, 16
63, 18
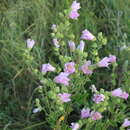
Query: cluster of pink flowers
69, 68
62, 78
86, 68
74, 10
97, 98
85, 113
119, 93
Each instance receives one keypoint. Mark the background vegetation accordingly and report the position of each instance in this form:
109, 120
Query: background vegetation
22, 19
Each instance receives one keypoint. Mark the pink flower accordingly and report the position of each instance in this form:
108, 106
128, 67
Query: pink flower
71, 45
69, 67
30, 43
62, 79
74, 10
126, 123
74, 14
124, 95
104, 62
85, 68
86, 35
98, 98
74, 126
65, 97
81, 46
85, 113
56, 43
112, 58
47, 67
75, 6
95, 115
119, 93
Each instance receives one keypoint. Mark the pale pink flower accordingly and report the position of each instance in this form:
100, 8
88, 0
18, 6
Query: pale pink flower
124, 95
98, 98
74, 10
85, 68
62, 79
126, 123
85, 113
56, 43
74, 15
81, 46
47, 67
74, 126
69, 67
104, 62
86, 35
119, 93
71, 45
75, 5
30, 43
112, 58
95, 115
65, 97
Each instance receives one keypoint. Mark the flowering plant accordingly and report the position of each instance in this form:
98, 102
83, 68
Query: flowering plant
66, 88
